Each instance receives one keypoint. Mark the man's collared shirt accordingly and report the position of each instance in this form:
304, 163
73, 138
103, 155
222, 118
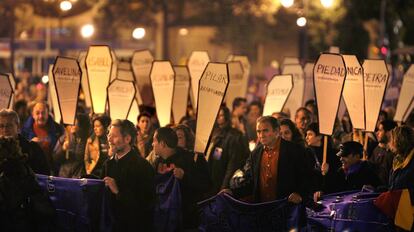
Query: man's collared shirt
268, 172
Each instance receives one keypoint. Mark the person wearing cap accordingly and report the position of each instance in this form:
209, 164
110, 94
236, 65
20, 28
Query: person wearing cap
354, 173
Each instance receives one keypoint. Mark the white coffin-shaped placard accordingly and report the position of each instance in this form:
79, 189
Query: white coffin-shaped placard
236, 82
67, 76
409, 110
278, 90
406, 94
181, 91
53, 96
13, 84
309, 89
289, 60
197, 62
212, 89
329, 76
295, 99
246, 72
6, 91
124, 72
134, 112
98, 66
229, 58
121, 94
375, 81
353, 93
84, 80
141, 65
114, 70
162, 81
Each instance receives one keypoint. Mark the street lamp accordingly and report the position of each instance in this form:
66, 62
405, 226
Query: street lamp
327, 3
65, 5
287, 3
87, 30
138, 33
301, 21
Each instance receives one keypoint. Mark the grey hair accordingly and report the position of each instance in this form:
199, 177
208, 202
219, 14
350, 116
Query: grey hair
10, 114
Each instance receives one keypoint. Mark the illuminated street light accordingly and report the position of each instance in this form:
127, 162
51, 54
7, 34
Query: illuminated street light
327, 3
87, 30
183, 31
301, 21
45, 79
287, 3
65, 5
138, 33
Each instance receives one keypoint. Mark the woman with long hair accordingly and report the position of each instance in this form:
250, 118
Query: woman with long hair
96, 151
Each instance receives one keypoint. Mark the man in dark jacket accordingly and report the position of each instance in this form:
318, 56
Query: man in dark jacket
274, 170
181, 162
130, 178
9, 124
354, 173
40, 128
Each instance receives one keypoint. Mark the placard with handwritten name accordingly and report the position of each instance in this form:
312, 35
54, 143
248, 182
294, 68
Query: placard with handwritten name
197, 62
329, 76
98, 66
121, 94
236, 76
278, 90
353, 93
295, 99
67, 77
406, 94
162, 79
181, 92
375, 82
141, 66
84, 80
212, 89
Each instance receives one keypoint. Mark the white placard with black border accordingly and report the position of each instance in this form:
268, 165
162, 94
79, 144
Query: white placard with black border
236, 82
406, 94
197, 62
277, 92
181, 92
141, 65
121, 95
295, 99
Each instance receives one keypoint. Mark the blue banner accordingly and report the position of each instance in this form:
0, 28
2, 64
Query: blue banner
224, 213
168, 214
348, 211
81, 204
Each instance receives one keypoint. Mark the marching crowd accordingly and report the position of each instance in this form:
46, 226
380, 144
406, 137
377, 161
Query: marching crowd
255, 158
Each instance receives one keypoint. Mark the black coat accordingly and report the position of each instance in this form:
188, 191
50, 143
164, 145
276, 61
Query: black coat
133, 205
403, 177
365, 175
195, 182
36, 157
229, 153
291, 173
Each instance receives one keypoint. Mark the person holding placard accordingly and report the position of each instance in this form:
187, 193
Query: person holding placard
274, 170
382, 156
70, 150
130, 178
227, 151
40, 128
322, 173
402, 144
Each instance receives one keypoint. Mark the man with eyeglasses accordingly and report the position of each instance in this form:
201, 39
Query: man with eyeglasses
9, 124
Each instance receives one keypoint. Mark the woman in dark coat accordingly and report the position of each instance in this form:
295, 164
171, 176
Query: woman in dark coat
227, 151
